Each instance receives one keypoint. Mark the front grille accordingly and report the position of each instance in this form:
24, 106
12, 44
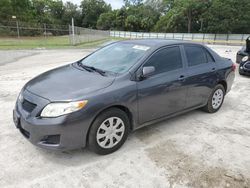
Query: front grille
51, 140
28, 106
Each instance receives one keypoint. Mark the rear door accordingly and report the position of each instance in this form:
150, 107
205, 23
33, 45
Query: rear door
164, 92
202, 76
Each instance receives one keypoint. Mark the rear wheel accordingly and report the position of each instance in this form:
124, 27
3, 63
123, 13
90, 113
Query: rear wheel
215, 100
109, 131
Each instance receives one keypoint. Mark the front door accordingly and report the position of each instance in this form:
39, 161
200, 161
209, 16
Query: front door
164, 92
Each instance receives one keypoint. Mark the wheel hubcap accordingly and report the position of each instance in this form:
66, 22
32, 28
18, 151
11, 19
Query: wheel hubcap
110, 132
217, 98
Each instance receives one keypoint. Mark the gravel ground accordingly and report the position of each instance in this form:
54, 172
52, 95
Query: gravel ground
192, 150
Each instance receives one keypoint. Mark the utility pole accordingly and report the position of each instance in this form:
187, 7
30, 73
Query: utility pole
17, 26
73, 32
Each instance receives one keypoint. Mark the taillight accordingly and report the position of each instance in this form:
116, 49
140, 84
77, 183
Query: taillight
233, 67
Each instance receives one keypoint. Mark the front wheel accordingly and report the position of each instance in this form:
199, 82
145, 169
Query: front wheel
109, 131
215, 100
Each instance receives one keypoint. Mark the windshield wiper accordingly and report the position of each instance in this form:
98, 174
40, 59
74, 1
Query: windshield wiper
101, 72
91, 69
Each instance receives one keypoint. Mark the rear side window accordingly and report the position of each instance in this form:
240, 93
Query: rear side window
209, 57
165, 60
195, 55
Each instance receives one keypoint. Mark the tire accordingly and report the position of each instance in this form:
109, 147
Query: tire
215, 101
101, 134
241, 73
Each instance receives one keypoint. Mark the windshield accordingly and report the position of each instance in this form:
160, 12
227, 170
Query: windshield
118, 57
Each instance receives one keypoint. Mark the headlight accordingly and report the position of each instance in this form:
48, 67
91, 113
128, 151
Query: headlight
62, 108
245, 58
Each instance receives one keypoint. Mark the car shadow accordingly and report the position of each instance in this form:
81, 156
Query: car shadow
135, 141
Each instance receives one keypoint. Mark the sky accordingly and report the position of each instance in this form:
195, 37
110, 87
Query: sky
114, 3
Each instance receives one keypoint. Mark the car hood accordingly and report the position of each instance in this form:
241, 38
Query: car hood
67, 83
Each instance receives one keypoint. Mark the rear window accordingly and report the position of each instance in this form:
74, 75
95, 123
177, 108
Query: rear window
195, 55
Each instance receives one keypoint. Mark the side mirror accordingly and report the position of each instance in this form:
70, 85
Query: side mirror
147, 71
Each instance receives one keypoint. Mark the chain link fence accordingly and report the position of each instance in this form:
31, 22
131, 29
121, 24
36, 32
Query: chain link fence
76, 35
225, 39
80, 35
23, 29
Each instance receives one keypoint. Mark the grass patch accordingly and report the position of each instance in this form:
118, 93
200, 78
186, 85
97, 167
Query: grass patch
42, 42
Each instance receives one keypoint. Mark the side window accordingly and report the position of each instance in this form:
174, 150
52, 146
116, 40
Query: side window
209, 57
165, 60
195, 55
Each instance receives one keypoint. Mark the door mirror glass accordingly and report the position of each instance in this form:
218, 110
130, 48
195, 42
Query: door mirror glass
147, 71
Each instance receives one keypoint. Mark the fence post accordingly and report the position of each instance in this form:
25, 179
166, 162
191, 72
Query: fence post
214, 38
17, 28
69, 35
227, 39
45, 31
242, 37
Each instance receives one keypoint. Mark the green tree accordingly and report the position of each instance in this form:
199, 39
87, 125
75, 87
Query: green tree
227, 16
91, 10
183, 14
22, 9
71, 11
132, 2
140, 18
56, 9
121, 16
5, 10
132, 23
106, 21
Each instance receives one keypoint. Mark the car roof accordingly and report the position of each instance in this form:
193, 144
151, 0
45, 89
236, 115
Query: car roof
157, 42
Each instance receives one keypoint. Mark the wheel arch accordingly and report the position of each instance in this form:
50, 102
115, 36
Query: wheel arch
121, 107
224, 84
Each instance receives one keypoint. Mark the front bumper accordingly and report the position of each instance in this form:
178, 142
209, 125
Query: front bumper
61, 133
244, 71
244, 68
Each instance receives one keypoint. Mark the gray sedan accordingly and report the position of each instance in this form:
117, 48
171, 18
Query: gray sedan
121, 87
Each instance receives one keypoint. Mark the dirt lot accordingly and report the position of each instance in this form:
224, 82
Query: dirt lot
193, 150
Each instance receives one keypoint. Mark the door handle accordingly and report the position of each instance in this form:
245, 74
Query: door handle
213, 69
181, 78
